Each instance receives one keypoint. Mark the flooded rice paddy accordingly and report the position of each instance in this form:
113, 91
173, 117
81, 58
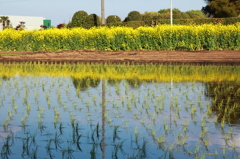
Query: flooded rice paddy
46, 116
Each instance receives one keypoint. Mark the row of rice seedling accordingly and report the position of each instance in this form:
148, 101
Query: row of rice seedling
128, 119
163, 37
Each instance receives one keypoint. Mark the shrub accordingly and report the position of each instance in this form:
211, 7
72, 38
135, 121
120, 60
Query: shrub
133, 16
43, 27
60, 26
93, 20
21, 26
79, 19
113, 19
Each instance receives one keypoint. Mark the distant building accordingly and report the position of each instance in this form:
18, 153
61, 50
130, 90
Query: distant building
30, 22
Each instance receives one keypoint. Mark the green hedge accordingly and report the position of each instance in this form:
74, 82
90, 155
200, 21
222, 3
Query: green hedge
136, 24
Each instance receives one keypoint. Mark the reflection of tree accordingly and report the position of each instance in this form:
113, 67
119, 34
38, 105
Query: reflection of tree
5, 78
85, 83
113, 81
136, 82
226, 99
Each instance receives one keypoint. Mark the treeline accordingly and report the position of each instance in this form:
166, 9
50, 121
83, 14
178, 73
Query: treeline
222, 8
136, 19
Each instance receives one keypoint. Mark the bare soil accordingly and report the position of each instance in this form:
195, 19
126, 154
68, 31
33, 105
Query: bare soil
229, 57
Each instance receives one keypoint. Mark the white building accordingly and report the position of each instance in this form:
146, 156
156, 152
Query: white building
30, 22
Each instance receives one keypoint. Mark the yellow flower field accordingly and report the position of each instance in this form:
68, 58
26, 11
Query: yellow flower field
162, 37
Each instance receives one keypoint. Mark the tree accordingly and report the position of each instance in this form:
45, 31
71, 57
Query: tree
222, 8
5, 21
151, 18
163, 11
113, 19
148, 16
133, 16
185, 15
93, 20
79, 19
177, 14
196, 14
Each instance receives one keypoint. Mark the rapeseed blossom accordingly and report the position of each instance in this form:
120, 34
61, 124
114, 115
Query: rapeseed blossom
161, 37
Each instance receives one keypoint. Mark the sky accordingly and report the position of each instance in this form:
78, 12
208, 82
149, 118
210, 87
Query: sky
59, 11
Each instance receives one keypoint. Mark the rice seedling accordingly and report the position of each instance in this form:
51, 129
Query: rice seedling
6, 123
142, 150
161, 141
33, 154
57, 141
93, 152
115, 133
5, 150
146, 102
117, 148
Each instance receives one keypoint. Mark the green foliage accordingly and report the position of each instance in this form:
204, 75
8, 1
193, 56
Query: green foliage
113, 19
5, 21
185, 16
200, 21
132, 24
79, 19
153, 14
162, 11
133, 16
177, 14
93, 20
195, 14
148, 17
116, 24
222, 8
135, 24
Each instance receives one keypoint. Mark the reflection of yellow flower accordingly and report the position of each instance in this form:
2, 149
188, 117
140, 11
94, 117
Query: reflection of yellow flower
150, 72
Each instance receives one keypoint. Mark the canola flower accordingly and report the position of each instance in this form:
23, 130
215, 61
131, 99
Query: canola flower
162, 37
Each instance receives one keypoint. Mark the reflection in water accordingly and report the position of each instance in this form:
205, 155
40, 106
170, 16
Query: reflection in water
84, 83
133, 82
113, 81
5, 78
103, 118
226, 100
148, 120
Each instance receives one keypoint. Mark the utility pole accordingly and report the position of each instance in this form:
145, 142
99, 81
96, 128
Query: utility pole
171, 13
102, 12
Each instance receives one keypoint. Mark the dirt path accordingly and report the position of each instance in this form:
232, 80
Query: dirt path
216, 57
